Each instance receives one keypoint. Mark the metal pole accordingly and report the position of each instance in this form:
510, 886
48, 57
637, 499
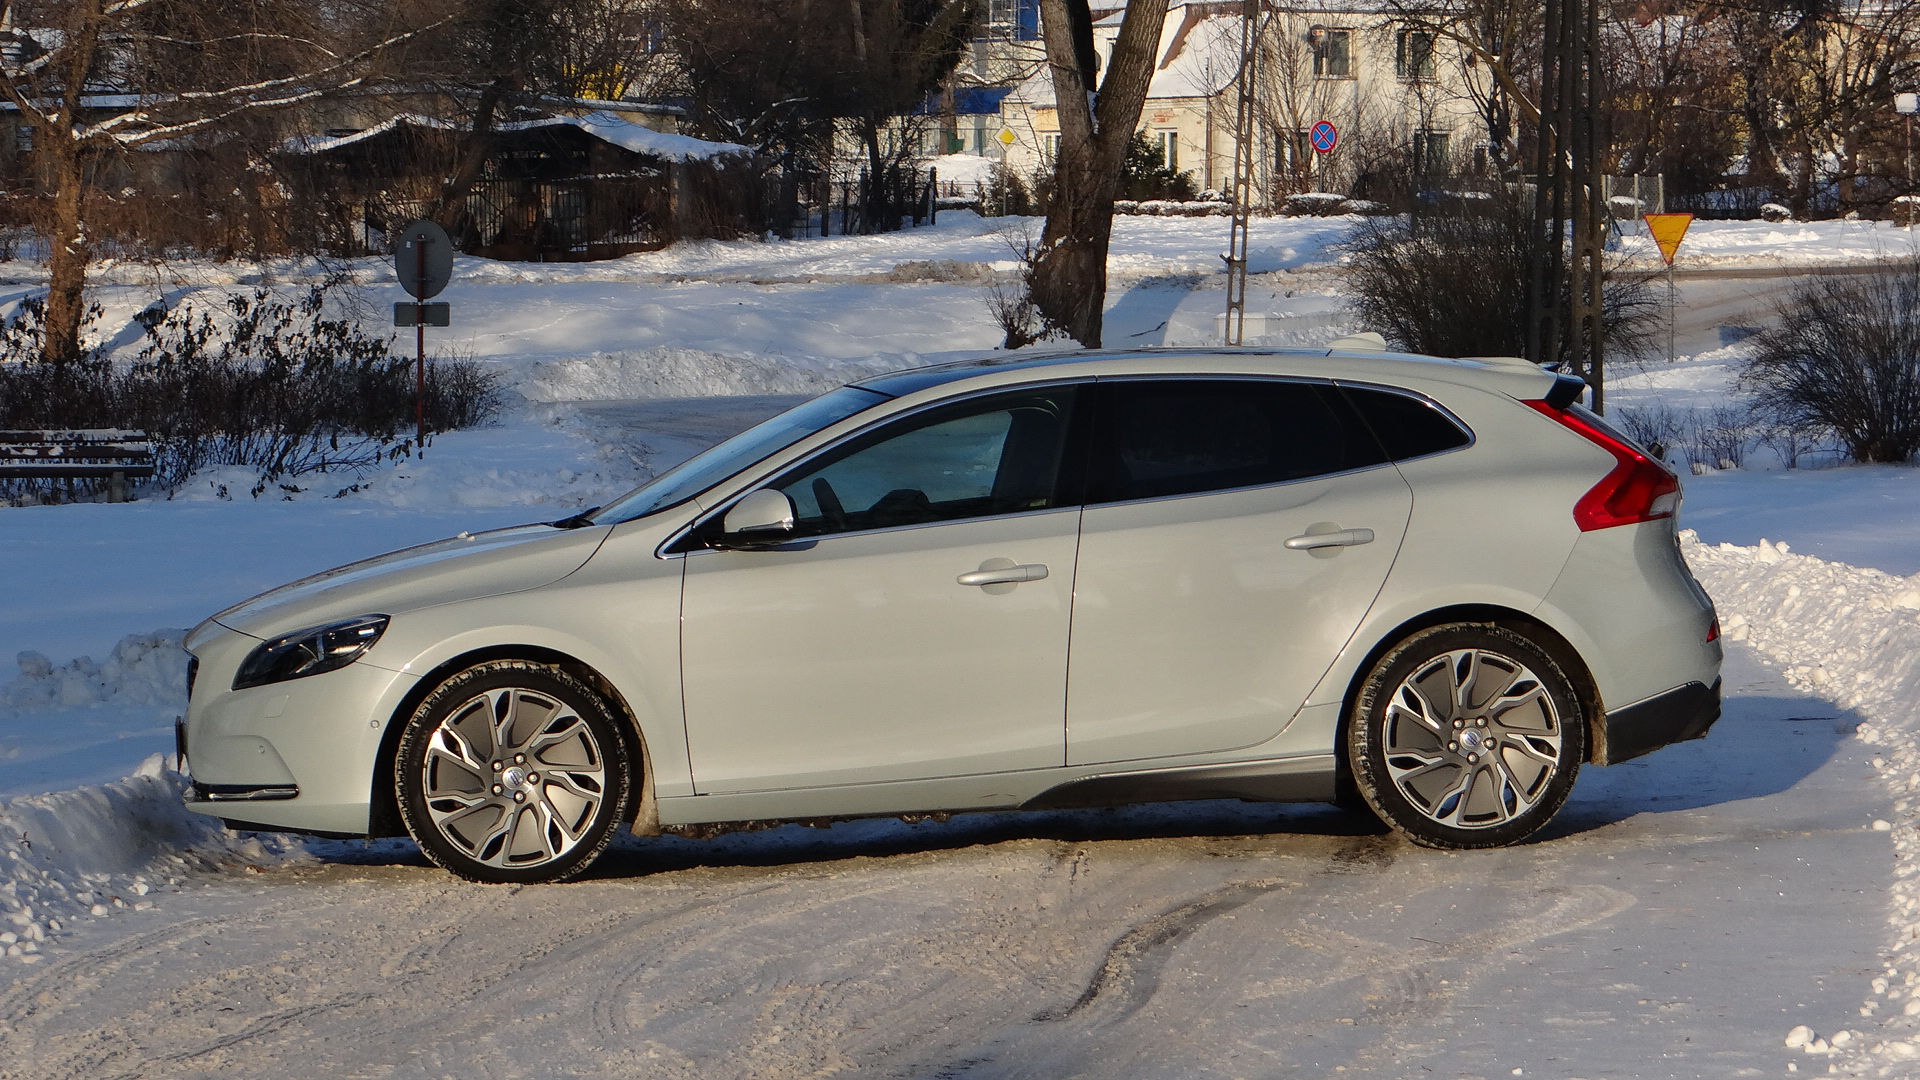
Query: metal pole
1673, 312
420, 352
1242, 181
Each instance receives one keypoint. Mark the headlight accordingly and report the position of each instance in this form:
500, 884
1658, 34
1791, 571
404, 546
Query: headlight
310, 651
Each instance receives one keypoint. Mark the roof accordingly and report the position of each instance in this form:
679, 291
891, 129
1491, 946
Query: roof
1198, 56
602, 125
1519, 380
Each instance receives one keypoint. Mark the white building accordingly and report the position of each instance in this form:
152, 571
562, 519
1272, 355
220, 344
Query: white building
1401, 98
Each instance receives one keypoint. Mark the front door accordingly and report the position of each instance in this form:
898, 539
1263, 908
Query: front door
916, 626
1236, 532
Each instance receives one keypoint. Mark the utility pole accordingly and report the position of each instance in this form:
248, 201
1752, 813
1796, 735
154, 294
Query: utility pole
1242, 177
1566, 278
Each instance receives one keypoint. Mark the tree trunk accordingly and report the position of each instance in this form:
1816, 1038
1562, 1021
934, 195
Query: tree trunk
452, 205
1068, 275
68, 254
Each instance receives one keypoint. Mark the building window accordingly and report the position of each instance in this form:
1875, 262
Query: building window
23, 139
1332, 52
1049, 149
1013, 20
1431, 150
1169, 143
1294, 151
1413, 54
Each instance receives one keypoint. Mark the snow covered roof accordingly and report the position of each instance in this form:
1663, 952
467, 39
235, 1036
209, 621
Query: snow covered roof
602, 125
1198, 56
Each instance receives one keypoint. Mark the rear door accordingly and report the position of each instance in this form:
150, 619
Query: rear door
1236, 532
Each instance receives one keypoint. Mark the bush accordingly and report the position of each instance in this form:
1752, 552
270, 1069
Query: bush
272, 383
1845, 357
1148, 177
1451, 280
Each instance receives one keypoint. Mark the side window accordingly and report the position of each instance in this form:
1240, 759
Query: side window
1160, 437
1408, 426
997, 455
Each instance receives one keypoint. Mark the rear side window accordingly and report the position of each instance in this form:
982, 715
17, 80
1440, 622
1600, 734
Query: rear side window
1408, 426
1160, 437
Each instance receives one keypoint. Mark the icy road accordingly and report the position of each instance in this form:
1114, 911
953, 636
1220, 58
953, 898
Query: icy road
1685, 912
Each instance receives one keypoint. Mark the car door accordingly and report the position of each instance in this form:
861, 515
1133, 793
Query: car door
916, 625
1236, 532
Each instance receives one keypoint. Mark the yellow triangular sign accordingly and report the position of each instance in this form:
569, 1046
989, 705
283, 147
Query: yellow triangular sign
1667, 231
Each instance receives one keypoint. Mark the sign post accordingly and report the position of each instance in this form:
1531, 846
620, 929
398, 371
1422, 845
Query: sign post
1667, 231
423, 260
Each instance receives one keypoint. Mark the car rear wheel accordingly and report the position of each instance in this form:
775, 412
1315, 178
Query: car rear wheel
512, 772
1466, 735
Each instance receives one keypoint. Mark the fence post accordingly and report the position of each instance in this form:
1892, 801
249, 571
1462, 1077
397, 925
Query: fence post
933, 196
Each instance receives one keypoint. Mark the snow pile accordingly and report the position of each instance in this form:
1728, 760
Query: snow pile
1851, 636
671, 372
101, 851
144, 669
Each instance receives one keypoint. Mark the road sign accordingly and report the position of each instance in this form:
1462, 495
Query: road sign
1324, 137
410, 314
1667, 231
1007, 137
423, 257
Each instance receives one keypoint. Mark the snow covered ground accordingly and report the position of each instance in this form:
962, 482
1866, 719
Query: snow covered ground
621, 368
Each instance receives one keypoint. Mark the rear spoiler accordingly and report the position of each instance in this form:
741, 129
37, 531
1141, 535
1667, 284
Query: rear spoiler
1566, 390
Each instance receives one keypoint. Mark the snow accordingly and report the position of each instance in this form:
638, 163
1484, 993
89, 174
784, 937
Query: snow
616, 370
612, 128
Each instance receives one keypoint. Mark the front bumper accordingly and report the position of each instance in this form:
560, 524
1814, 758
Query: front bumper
297, 755
1685, 712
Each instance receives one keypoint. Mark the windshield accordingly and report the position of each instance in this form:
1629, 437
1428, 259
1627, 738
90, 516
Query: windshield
703, 470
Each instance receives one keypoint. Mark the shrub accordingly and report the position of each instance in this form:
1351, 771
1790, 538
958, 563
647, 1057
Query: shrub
1451, 280
1147, 175
271, 383
1845, 355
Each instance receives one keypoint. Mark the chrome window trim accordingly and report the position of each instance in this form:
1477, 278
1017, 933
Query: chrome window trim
726, 502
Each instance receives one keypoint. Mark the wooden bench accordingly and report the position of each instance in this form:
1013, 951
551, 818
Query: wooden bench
108, 454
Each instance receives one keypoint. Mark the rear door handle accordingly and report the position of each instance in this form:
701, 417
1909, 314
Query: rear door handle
1007, 575
1341, 538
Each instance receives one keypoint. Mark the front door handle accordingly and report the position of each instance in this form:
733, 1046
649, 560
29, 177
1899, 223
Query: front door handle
1008, 573
1338, 538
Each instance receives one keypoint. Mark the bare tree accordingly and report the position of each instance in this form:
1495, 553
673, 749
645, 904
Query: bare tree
1069, 271
176, 69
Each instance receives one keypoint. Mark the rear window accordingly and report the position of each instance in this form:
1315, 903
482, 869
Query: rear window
1407, 425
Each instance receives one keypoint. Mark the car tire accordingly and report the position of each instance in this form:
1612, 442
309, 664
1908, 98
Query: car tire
1466, 735
513, 772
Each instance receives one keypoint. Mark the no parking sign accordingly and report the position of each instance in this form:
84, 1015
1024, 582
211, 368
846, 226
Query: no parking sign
1324, 137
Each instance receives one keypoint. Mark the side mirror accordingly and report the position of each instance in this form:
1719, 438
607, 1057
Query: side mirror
765, 515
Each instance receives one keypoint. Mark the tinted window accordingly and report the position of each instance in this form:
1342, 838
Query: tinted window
1160, 437
998, 455
1409, 427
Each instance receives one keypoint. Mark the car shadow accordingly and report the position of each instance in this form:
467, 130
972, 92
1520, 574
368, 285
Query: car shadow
1761, 746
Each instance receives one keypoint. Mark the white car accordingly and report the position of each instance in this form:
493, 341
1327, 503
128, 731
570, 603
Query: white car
1435, 587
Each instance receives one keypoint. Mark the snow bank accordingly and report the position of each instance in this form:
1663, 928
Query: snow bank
144, 669
98, 852
1851, 636
672, 372
103, 849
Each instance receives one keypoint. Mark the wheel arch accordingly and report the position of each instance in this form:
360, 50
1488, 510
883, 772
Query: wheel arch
383, 810
1540, 633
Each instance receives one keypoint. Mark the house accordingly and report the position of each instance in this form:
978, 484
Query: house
1400, 96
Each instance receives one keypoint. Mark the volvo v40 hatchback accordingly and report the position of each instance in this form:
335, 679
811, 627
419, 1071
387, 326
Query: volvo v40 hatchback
1432, 587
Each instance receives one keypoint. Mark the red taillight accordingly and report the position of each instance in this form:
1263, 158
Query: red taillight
1713, 631
1638, 489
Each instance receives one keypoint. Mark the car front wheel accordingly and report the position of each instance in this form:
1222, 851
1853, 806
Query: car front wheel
1466, 735
512, 772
